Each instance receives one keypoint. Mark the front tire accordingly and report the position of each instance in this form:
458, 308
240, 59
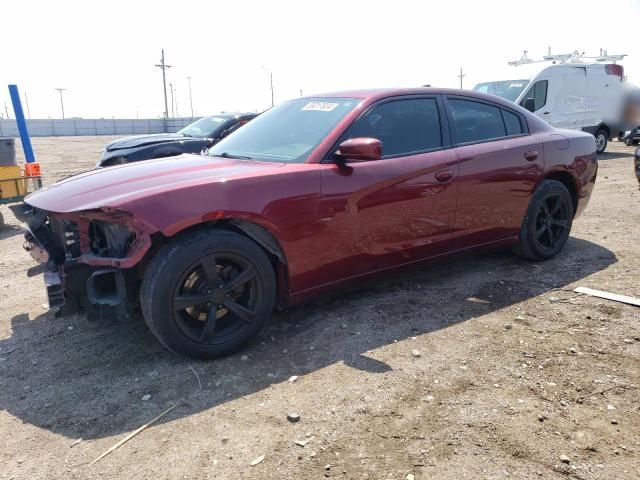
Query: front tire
547, 223
206, 293
602, 137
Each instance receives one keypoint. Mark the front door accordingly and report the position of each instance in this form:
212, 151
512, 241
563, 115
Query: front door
400, 208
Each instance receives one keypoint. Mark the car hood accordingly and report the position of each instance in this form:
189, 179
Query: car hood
118, 186
143, 140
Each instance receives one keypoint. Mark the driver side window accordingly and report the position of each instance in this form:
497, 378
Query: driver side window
538, 92
403, 126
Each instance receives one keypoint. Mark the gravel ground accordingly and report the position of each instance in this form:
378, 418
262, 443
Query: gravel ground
484, 367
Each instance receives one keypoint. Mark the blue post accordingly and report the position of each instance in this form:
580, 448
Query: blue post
22, 124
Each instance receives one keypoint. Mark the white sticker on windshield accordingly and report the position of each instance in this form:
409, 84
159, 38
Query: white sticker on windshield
515, 85
320, 106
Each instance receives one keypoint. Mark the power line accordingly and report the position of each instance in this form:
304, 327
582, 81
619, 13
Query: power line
60, 90
163, 66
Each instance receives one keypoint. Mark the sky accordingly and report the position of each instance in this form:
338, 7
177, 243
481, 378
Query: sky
104, 53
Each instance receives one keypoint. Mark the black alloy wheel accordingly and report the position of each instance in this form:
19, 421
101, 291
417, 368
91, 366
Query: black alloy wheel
552, 220
217, 298
207, 292
547, 222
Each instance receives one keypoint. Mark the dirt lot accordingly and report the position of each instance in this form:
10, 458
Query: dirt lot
511, 370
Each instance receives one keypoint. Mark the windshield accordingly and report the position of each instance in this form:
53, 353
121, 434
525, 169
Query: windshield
508, 89
205, 127
288, 132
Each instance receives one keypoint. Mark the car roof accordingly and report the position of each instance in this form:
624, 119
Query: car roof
375, 94
227, 116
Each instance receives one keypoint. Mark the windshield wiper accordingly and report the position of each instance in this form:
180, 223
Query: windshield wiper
187, 135
236, 157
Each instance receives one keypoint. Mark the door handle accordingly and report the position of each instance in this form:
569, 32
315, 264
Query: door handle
444, 175
546, 113
531, 155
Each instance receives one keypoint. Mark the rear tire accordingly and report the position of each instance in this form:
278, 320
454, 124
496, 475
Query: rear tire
205, 294
547, 223
602, 137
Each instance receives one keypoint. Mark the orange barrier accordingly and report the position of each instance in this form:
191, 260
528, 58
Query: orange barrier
32, 169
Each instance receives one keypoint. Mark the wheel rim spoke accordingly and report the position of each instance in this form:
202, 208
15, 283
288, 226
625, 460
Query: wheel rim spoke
209, 329
551, 237
556, 208
545, 209
185, 301
243, 277
210, 267
243, 313
552, 221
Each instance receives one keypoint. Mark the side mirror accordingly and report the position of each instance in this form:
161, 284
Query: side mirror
360, 150
530, 104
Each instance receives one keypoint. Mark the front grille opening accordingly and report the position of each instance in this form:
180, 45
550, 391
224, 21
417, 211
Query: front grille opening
102, 288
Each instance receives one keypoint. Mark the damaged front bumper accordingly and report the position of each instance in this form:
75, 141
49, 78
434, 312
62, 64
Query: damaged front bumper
89, 259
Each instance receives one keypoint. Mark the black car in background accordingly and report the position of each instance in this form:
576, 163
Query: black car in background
202, 133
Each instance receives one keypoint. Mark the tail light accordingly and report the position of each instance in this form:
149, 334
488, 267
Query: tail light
614, 69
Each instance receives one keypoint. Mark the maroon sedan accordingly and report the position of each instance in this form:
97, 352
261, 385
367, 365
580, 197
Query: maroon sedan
315, 192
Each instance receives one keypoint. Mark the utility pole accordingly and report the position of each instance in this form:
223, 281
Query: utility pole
270, 83
190, 97
171, 90
300, 92
175, 96
461, 76
6, 110
60, 90
163, 66
26, 101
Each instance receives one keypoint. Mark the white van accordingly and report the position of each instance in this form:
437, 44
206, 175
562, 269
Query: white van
581, 96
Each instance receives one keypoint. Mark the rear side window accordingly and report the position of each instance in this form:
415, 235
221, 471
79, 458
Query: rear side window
513, 123
539, 94
403, 126
475, 121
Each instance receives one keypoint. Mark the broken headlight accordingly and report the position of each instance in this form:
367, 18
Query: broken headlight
109, 239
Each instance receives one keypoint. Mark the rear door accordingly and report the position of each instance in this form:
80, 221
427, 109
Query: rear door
499, 166
400, 208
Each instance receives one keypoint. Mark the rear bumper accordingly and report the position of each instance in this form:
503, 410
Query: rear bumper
586, 170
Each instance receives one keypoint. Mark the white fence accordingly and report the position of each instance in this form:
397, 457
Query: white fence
101, 126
